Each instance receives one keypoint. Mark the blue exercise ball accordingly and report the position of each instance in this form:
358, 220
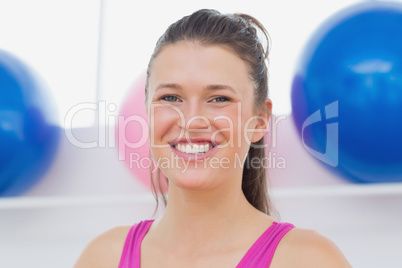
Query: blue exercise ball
29, 134
347, 93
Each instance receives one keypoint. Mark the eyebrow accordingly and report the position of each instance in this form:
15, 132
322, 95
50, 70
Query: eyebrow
207, 88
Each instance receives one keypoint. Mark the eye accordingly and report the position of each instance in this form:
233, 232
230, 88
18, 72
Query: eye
220, 99
169, 98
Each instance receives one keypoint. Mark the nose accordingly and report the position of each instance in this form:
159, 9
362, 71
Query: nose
195, 117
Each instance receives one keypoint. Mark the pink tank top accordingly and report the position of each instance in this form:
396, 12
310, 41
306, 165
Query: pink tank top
259, 255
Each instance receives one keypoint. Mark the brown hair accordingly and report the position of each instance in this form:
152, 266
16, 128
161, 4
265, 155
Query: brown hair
237, 32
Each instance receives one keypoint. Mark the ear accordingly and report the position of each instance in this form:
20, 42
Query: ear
263, 117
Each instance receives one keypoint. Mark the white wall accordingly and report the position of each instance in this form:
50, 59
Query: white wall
87, 191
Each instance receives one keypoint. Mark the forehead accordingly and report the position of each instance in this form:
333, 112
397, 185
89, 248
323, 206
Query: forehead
189, 63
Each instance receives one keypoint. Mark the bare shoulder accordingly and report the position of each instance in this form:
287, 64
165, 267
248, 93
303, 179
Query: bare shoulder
105, 250
307, 248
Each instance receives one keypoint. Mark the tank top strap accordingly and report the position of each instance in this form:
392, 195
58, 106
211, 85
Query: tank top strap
261, 252
130, 257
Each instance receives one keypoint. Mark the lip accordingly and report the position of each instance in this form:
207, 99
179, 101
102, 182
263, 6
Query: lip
194, 157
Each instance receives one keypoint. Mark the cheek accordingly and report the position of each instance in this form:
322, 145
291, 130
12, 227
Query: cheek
224, 122
161, 120
248, 123
231, 123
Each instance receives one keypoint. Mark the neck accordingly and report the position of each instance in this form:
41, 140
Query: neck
198, 217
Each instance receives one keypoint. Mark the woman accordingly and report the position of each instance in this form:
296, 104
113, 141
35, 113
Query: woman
207, 100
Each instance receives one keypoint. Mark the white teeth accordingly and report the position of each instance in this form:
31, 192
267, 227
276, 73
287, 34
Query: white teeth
194, 149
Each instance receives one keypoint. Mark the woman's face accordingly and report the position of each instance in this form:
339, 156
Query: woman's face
201, 115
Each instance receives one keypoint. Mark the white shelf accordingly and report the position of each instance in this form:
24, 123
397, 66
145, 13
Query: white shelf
37, 202
7, 203
375, 189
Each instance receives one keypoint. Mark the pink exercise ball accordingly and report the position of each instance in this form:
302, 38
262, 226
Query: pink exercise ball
132, 133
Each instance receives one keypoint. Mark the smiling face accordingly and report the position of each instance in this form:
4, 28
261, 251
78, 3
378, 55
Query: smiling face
201, 106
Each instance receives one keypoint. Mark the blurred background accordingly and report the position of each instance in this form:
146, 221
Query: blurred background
84, 59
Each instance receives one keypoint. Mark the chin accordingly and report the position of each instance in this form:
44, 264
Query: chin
192, 180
